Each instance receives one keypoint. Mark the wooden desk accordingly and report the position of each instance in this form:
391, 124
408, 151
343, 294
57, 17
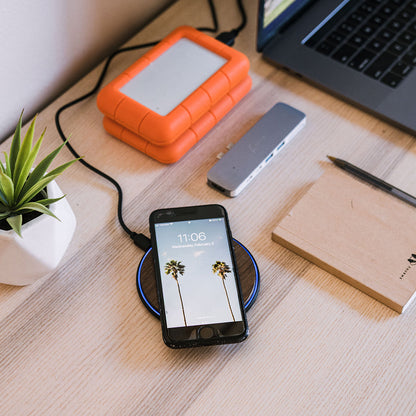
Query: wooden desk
79, 342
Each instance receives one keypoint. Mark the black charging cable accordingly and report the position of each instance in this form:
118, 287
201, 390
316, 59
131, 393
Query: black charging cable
229, 37
139, 239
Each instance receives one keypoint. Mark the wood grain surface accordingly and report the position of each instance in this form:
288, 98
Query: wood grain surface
79, 342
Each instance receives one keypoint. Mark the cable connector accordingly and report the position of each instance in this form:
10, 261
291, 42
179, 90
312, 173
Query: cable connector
141, 241
227, 37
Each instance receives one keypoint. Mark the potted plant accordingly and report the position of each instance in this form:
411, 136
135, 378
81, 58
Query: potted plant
36, 222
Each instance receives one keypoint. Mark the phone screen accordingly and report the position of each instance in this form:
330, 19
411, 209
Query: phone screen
197, 273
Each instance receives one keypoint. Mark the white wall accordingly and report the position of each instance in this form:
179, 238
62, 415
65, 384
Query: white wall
47, 45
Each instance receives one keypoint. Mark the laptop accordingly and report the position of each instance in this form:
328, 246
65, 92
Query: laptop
363, 51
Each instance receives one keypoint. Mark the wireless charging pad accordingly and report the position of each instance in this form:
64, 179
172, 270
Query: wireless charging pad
247, 270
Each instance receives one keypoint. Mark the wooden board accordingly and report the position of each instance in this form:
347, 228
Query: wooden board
358, 233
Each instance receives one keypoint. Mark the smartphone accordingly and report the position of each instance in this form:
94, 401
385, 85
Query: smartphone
197, 281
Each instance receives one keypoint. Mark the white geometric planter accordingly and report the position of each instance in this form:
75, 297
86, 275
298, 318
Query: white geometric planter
44, 242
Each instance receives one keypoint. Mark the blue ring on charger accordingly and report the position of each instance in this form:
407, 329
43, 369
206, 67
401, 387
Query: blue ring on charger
155, 312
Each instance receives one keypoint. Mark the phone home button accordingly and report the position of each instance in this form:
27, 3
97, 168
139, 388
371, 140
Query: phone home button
205, 332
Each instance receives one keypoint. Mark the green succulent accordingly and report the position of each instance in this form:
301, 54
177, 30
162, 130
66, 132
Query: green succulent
22, 186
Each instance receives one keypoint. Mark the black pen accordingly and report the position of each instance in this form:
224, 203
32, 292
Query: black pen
373, 180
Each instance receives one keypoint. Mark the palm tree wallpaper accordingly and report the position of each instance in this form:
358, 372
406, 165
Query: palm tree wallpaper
186, 268
176, 268
221, 269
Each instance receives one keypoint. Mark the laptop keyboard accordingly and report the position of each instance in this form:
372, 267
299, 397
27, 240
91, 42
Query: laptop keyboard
376, 37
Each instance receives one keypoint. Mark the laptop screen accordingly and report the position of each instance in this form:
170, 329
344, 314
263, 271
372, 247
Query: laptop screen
273, 15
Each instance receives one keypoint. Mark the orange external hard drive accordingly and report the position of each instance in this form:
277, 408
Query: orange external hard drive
174, 151
173, 85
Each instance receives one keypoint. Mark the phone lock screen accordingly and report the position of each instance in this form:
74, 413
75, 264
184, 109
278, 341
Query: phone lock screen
197, 278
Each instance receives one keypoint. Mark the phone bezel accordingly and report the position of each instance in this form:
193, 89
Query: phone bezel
179, 337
